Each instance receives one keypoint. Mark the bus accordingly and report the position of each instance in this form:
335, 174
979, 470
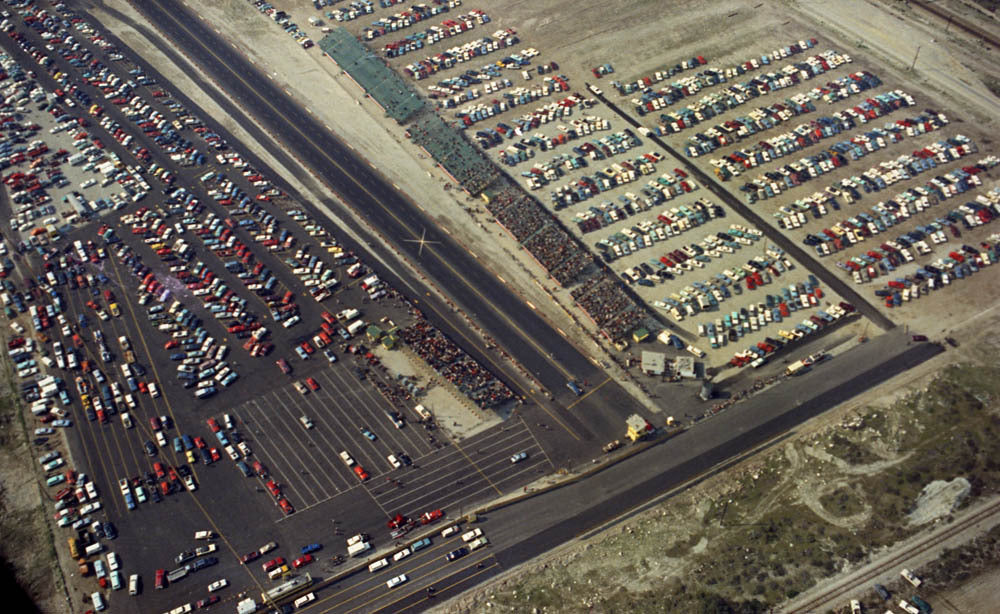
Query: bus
287, 590
74, 548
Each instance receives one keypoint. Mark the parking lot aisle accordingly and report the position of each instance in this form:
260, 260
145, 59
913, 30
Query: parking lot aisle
328, 461
279, 471
373, 408
272, 426
97, 442
364, 451
152, 366
327, 441
105, 429
118, 328
455, 490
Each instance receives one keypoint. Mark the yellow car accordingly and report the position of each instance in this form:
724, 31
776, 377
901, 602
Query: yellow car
115, 311
190, 457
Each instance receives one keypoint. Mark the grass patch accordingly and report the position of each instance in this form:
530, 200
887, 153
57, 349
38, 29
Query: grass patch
849, 451
843, 502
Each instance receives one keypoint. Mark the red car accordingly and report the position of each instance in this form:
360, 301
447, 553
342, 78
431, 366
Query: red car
361, 473
397, 521
198, 441
154, 422
307, 347
302, 561
169, 345
286, 506
268, 566
158, 468
207, 601
273, 487
212, 424
429, 517
312, 384
161, 578
215, 454
249, 557
283, 366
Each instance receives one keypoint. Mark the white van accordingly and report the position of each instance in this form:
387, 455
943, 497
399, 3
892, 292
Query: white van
377, 565
304, 599
133, 584
357, 548
204, 535
98, 600
471, 535
93, 549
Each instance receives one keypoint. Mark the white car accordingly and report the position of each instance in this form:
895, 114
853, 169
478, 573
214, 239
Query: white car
394, 582
520, 456
402, 554
377, 565
394, 461
218, 585
113, 562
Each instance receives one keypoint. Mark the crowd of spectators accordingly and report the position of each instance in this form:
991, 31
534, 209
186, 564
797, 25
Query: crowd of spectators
604, 299
556, 250
452, 363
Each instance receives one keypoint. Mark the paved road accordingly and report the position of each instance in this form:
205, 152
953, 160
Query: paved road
487, 300
837, 284
531, 527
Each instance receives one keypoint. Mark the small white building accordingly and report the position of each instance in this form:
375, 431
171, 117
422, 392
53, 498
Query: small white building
653, 363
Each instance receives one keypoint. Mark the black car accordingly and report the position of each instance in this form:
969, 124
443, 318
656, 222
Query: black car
456, 554
110, 531
208, 561
150, 448
882, 591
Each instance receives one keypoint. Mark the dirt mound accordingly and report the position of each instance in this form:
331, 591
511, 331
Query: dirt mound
938, 499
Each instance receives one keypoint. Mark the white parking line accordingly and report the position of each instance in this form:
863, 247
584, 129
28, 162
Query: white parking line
277, 469
303, 437
291, 468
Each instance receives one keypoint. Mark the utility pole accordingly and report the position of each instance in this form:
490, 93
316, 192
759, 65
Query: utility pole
915, 58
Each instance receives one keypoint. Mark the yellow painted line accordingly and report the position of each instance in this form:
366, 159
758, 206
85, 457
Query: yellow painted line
530, 304
481, 571
595, 389
326, 583
322, 151
152, 365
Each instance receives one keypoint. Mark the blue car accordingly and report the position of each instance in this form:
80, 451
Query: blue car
310, 548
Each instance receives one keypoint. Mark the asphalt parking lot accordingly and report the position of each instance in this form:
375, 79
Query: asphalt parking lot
265, 406
307, 462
